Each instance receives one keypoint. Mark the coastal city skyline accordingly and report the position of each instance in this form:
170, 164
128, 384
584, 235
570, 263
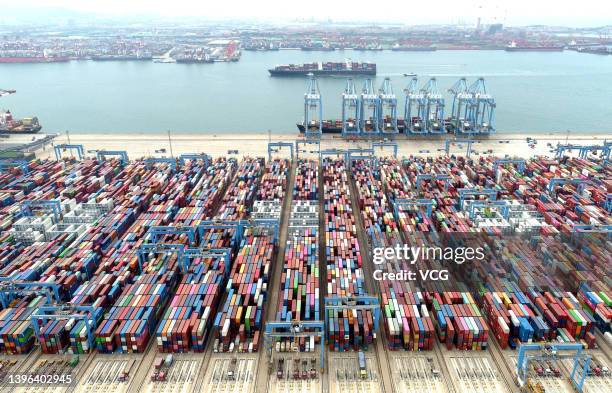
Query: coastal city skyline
590, 13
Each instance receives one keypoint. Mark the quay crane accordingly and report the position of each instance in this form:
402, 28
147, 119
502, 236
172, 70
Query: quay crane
351, 110
461, 121
313, 109
370, 106
388, 108
482, 108
434, 107
415, 109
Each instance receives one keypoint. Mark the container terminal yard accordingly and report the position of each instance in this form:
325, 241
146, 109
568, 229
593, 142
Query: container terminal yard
220, 272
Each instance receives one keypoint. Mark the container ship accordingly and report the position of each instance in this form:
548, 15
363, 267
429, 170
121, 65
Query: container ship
513, 47
328, 68
334, 126
9, 125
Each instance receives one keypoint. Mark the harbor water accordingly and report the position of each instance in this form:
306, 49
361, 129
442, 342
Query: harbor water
535, 92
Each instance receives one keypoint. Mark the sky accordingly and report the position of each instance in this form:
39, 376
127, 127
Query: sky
509, 12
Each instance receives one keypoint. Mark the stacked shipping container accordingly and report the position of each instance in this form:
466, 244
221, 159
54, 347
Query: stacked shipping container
347, 328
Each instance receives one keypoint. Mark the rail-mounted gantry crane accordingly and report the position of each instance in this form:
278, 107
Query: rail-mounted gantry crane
434, 107
370, 106
415, 109
313, 109
482, 108
351, 110
461, 121
388, 108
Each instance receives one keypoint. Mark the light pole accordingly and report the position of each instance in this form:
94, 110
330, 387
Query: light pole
170, 143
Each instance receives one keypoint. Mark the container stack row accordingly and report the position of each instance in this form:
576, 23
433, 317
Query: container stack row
240, 194
238, 323
406, 320
134, 298
208, 191
300, 292
131, 321
460, 323
347, 328
185, 323
306, 183
274, 181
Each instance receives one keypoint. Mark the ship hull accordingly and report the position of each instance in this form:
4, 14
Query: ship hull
33, 130
321, 72
335, 127
19, 60
534, 49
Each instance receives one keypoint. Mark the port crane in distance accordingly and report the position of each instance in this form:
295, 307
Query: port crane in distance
387, 113
414, 108
434, 107
351, 110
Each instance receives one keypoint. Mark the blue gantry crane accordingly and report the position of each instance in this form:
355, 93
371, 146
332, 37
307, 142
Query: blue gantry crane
239, 226
584, 150
482, 108
401, 203
223, 253
122, 154
461, 110
503, 207
276, 147
27, 208
145, 251
158, 231
11, 289
520, 164
313, 109
559, 181
432, 177
351, 110
68, 147
295, 330
382, 145
307, 146
194, 157
149, 162
89, 314
15, 163
467, 142
360, 154
338, 153
552, 352
415, 108
434, 107
352, 303
387, 113
370, 107
464, 193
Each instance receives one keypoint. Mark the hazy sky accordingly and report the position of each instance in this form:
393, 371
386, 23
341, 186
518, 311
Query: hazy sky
513, 12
